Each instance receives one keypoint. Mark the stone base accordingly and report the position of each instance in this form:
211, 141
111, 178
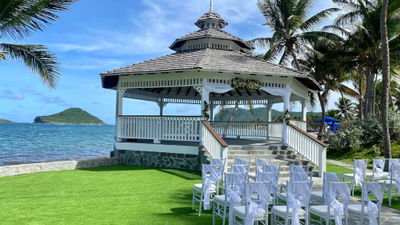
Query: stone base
160, 159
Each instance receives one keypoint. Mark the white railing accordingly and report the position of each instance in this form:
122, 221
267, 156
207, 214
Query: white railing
212, 142
275, 130
308, 146
234, 128
300, 124
175, 128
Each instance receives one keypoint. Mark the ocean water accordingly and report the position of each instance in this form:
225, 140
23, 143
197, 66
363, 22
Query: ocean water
28, 143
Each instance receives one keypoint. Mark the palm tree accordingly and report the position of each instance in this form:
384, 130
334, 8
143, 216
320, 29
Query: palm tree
345, 107
18, 19
288, 21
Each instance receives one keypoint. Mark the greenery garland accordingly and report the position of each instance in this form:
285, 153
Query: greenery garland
287, 117
206, 110
239, 83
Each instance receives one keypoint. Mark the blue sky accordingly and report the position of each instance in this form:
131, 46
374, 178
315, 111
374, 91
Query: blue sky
98, 35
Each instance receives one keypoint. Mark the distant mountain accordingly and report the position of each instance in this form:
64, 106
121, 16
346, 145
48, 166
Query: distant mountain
5, 121
70, 116
258, 114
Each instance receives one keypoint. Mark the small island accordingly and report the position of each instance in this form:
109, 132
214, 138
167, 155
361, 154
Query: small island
5, 121
70, 116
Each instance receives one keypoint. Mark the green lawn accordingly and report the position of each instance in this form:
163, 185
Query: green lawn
107, 195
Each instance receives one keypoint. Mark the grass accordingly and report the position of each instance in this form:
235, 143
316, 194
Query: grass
123, 195
334, 168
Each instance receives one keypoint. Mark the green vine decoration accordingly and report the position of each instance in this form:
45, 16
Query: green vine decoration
287, 117
206, 111
239, 83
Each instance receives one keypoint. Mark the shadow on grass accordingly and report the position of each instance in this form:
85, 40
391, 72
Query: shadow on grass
189, 216
181, 173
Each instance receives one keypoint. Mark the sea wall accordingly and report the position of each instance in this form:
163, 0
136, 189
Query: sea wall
56, 166
161, 159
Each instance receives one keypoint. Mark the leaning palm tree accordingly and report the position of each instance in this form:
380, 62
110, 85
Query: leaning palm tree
291, 27
18, 19
345, 107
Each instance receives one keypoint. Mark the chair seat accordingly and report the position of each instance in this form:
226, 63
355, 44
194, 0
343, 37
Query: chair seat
348, 176
199, 187
317, 195
220, 199
356, 209
252, 175
322, 210
386, 183
280, 210
372, 175
240, 211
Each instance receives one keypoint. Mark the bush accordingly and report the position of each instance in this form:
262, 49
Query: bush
345, 139
371, 132
394, 125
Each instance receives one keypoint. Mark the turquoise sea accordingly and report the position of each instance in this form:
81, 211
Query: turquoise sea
27, 143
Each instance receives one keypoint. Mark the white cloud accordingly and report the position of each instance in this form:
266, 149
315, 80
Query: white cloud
12, 95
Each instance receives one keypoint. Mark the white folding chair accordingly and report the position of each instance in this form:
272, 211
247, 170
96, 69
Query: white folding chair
320, 196
378, 165
234, 186
255, 209
260, 163
392, 184
297, 205
371, 204
204, 192
393, 162
358, 175
297, 173
335, 208
273, 178
220, 163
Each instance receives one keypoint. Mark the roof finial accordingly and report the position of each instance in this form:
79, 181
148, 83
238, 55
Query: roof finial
211, 5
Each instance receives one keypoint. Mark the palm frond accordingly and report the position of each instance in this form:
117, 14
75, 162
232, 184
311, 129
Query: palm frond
37, 58
20, 17
337, 29
348, 91
309, 23
260, 42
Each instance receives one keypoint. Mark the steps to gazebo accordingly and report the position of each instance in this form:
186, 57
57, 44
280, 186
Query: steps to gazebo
274, 153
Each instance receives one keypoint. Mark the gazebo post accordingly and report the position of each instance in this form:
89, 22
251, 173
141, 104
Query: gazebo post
269, 117
161, 104
212, 107
118, 110
304, 110
286, 103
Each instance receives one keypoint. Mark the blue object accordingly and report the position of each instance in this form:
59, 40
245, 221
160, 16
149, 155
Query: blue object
327, 120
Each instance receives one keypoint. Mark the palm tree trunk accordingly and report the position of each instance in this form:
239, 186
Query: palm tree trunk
360, 99
369, 94
346, 112
322, 102
231, 118
296, 62
385, 80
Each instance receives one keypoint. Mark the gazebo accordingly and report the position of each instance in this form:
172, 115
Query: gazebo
209, 67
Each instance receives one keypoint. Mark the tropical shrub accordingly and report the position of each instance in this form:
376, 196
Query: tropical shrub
346, 138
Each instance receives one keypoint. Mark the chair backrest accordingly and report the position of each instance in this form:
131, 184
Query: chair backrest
360, 168
393, 162
372, 191
395, 176
330, 177
257, 195
220, 163
234, 183
244, 169
210, 172
301, 176
260, 163
271, 168
300, 193
269, 177
378, 165
241, 161
298, 169
340, 192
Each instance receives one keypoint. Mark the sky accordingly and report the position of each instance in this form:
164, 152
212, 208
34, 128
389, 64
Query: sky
95, 36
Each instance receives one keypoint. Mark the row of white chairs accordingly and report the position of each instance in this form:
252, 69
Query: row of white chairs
248, 202
390, 180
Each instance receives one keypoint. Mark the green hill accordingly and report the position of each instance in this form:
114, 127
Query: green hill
5, 121
69, 116
259, 114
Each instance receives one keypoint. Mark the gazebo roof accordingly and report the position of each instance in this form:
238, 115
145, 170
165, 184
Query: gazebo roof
209, 33
213, 60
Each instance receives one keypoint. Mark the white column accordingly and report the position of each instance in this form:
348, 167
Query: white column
269, 118
118, 111
286, 104
304, 110
212, 107
161, 104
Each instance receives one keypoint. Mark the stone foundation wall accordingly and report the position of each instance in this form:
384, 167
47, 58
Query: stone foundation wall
160, 159
56, 166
